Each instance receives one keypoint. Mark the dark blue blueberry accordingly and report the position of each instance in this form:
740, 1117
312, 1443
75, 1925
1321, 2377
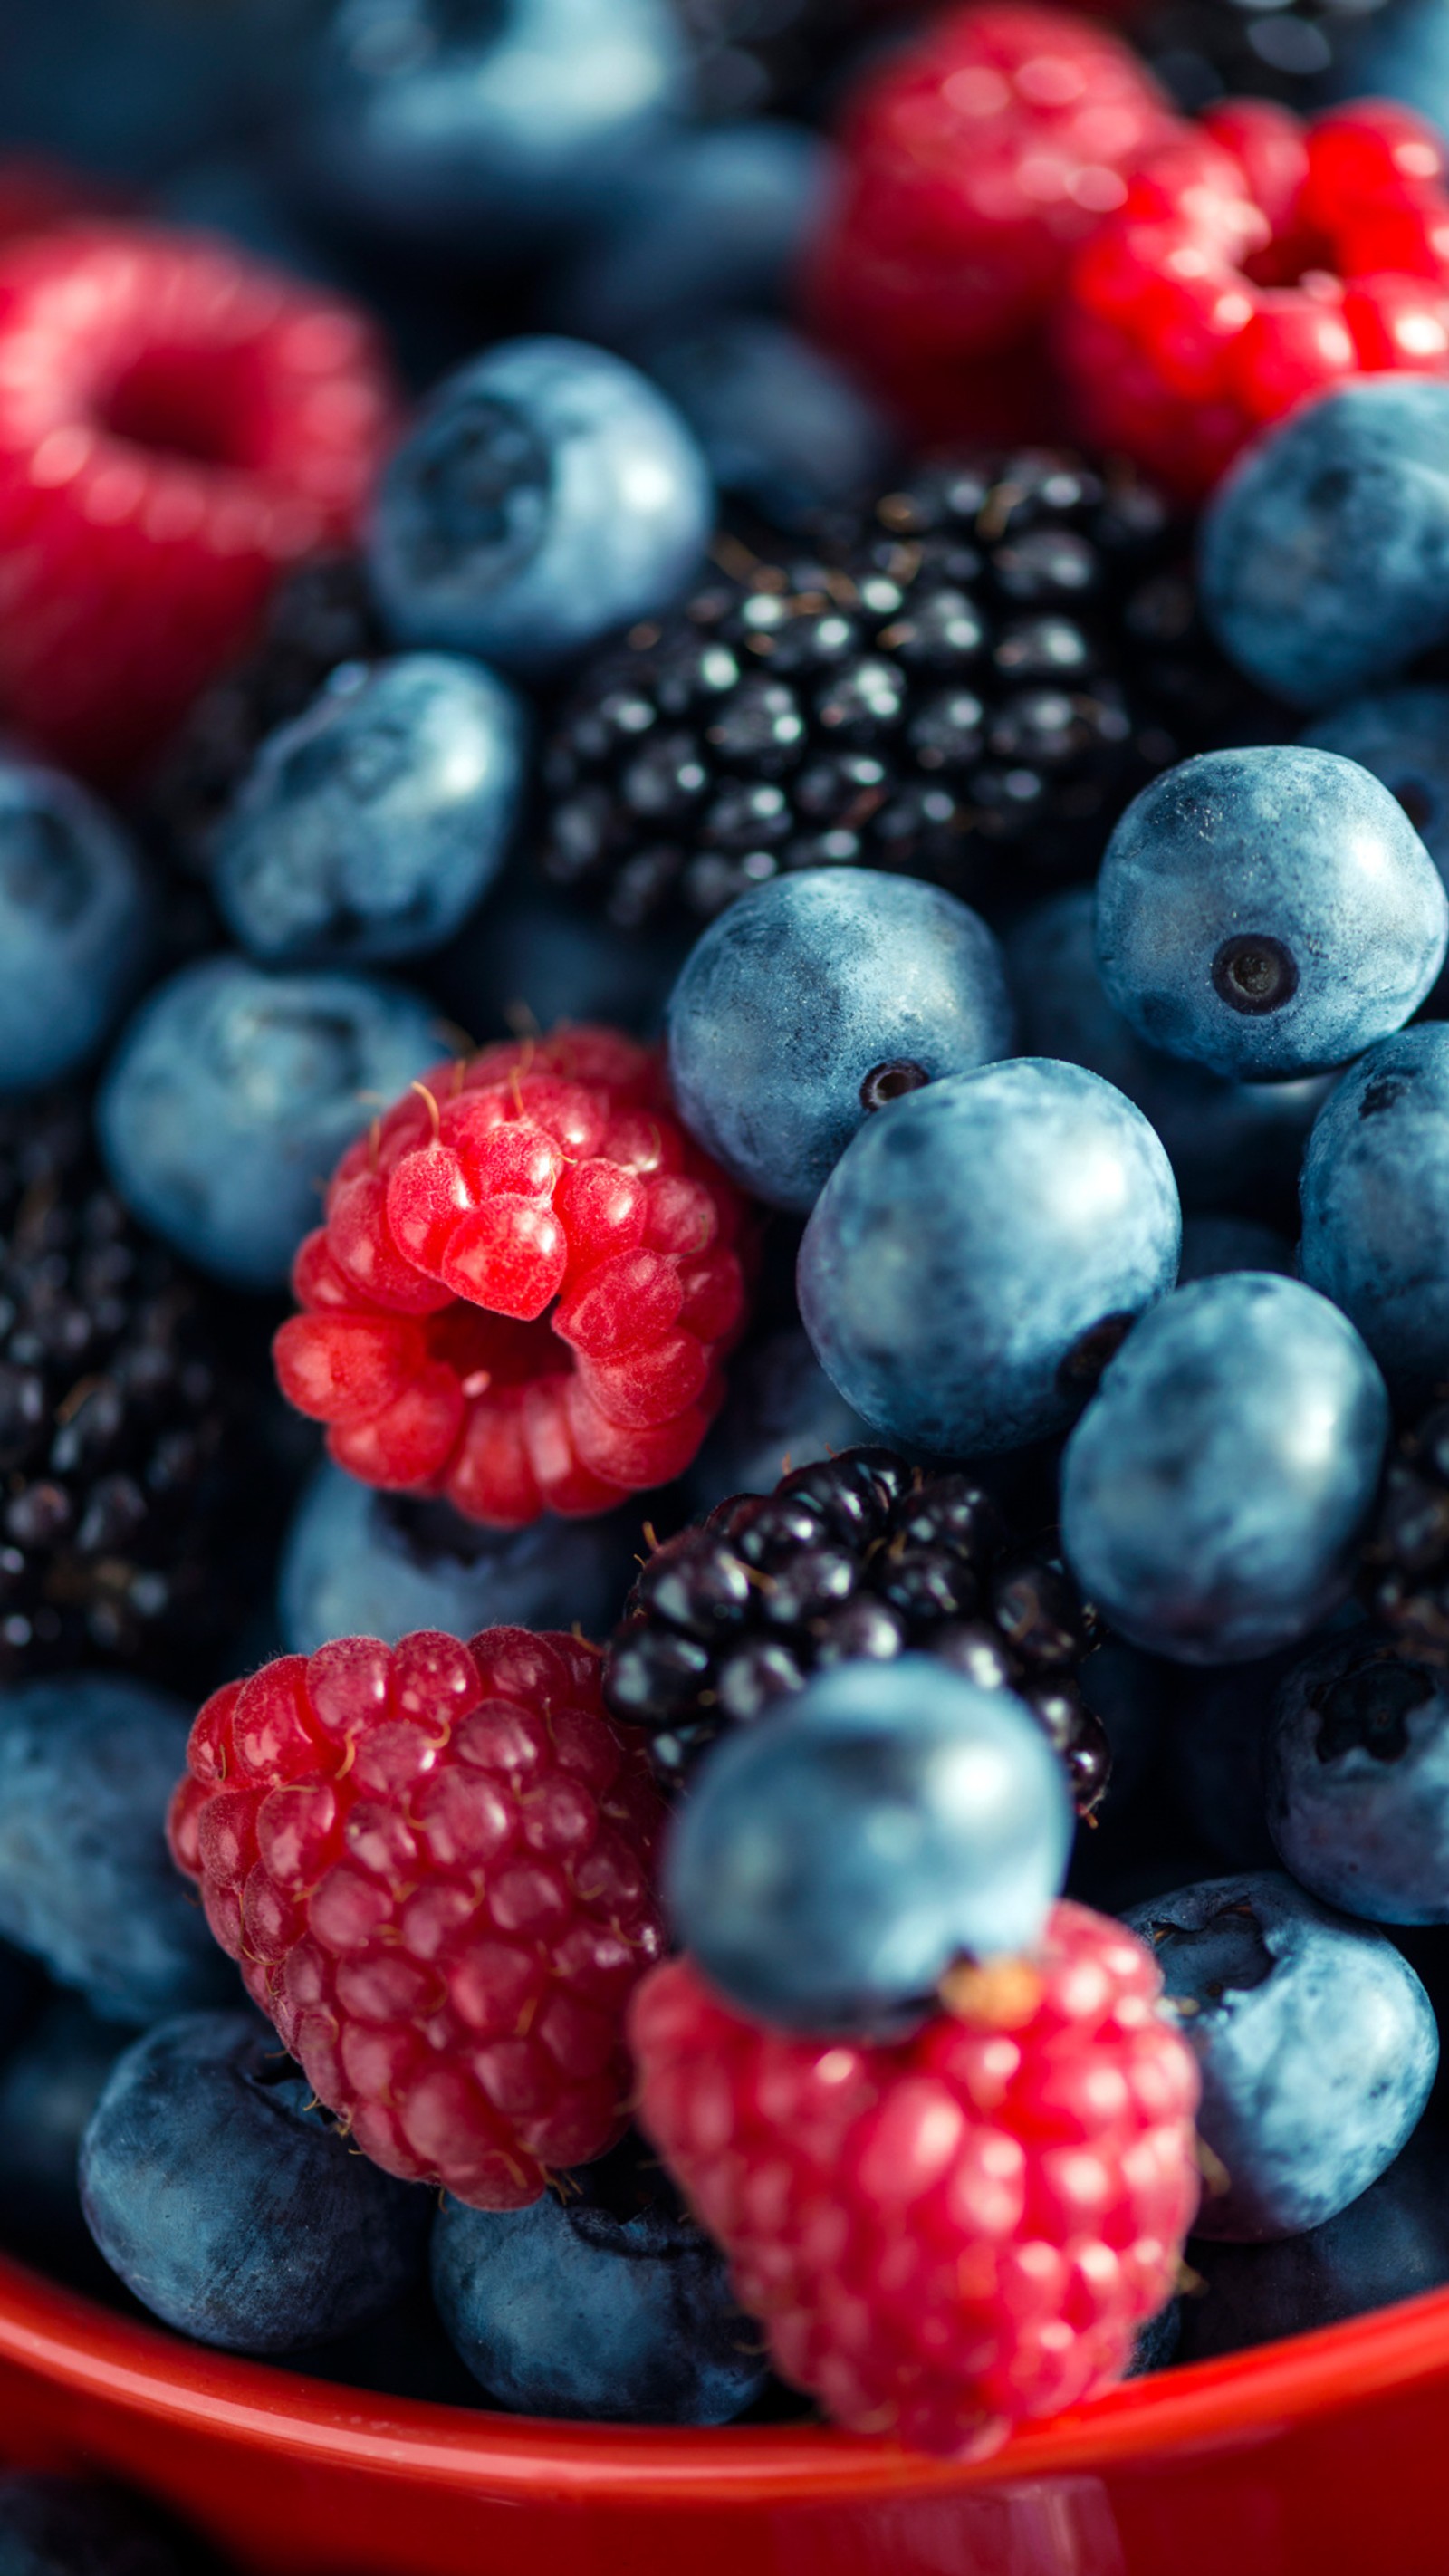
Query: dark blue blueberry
88, 1763
1398, 52
53, 2526
1214, 1244
1316, 2043
48, 2090
607, 2302
812, 1003
1156, 2345
361, 1563
781, 1412
714, 221
230, 2203
1356, 1768
1268, 911
371, 827
1402, 735
232, 1094
1376, 1205
128, 89
1325, 553
828, 1868
237, 194
1233, 1145
1215, 1489
782, 425
979, 1250
546, 494
528, 962
77, 925
491, 127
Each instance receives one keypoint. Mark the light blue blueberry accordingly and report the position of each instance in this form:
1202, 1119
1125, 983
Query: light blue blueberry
78, 925
783, 425
1357, 1779
1376, 1205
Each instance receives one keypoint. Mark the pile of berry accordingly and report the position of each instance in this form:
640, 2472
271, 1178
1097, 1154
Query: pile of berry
724, 1201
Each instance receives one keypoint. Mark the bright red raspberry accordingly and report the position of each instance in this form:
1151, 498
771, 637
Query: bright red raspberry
177, 425
974, 163
961, 2229
432, 1862
1257, 261
525, 1283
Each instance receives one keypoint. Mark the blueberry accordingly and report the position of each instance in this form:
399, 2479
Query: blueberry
546, 494
1268, 911
1325, 552
53, 2526
829, 1867
812, 1003
88, 1763
362, 1563
159, 84
1156, 2345
782, 425
1357, 1779
491, 127
1214, 1491
230, 2203
1315, 2040
77, 925
606, 2301
1402, 735
1214, 1244
1400, 52
370, 828
781, 1412
239, 196
232, 1094
979, 1250
528, 962
1233, 1145
1376, 1205
48, 2091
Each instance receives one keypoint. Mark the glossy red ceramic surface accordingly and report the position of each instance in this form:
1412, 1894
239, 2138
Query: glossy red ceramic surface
1327, 2456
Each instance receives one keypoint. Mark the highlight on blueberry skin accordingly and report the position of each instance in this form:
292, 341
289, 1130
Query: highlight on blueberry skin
834, 1861
78, 924
1268, 911
1357, 1779
1316, 2042
1215, 1490
981, 1249
813, 1002
546, 494
1375, 1194
371, 827
228, 2200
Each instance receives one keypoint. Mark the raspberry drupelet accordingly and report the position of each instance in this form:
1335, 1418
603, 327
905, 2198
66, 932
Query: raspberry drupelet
952, 2232
526, 1281
432, 1862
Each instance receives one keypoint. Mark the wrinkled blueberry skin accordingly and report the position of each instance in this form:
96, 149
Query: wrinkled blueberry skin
608, 2302
77, 925
48, 2089
546, 494
1197, 1511
970, 1238
1285, 844
1324, 554
371, 828
1375, 1193
488, 129
1234, 1146
1212, 1245
781, 1412
828, 1867
781, 424
228, 2207
232, 1094
1315, 2040
792, 998
1357, 1779
713, 222
54, 2526
360, 1563
529, 963
88, 1762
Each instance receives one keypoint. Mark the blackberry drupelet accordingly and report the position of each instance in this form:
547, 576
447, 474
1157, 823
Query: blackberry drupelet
858, 1555
116, 1465
1405, 1578
1206, 50
966, 684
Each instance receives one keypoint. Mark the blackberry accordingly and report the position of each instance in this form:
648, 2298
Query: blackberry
857, 1555
1405, 1581
116, 1423
1206, 50
965, 683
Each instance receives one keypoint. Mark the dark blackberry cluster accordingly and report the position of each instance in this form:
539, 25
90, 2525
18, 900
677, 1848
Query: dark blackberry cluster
1205, 50
856, 1556
967, 684
1406, 1560
115, 1459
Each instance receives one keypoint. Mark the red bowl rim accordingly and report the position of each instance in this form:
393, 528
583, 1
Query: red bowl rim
112, 2363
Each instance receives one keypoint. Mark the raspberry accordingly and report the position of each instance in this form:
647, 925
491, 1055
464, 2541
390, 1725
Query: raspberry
975, 162
523, 1288
432, 1863
954, 2231
177, 425
1254, 262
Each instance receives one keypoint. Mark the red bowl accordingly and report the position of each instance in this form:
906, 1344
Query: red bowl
1323, 2456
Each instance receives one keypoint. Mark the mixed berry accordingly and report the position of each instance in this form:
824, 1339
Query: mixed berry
724, 1215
